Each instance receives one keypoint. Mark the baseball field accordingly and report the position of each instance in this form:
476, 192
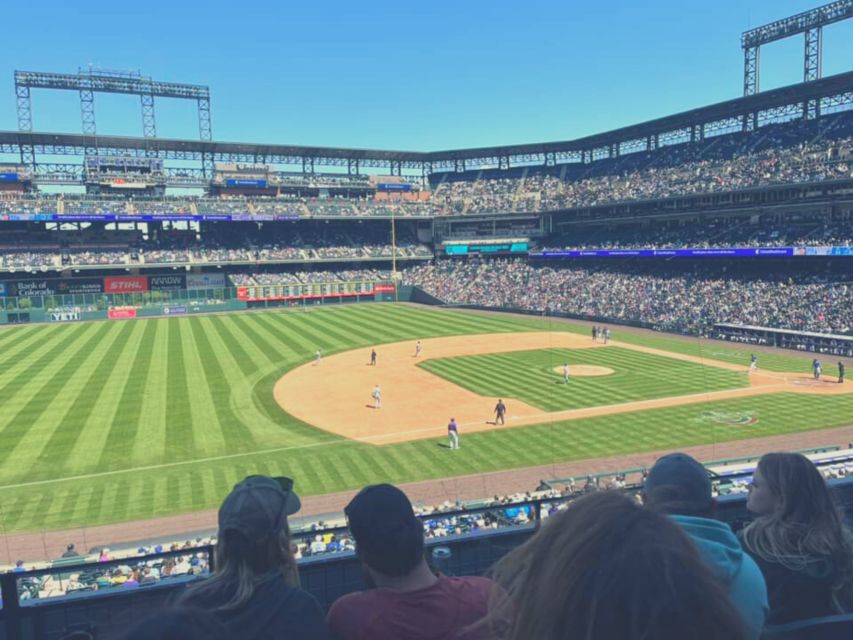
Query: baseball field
116, 421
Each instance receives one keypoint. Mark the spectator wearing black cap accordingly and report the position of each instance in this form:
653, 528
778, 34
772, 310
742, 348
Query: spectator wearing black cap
679, 486
407, 599
255, 590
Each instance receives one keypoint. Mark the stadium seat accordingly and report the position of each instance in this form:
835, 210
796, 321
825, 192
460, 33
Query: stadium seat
826, 628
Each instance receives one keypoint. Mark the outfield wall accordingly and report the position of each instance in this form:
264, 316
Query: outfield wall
159, 296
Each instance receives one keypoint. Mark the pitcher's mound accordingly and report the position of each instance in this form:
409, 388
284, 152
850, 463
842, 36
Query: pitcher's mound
585, 370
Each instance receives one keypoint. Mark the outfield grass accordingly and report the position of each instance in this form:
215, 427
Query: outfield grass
112, 421
530, 376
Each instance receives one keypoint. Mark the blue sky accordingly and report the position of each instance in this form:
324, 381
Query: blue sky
418, 76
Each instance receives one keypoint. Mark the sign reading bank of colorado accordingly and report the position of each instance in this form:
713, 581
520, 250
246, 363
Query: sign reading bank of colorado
125, 284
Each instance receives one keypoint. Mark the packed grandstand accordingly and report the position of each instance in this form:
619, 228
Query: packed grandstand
742, 233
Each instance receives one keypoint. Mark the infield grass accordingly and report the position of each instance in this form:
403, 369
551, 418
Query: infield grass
112, 421
530, 376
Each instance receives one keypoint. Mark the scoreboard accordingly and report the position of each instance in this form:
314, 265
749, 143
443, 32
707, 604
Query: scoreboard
466, 248
310, 291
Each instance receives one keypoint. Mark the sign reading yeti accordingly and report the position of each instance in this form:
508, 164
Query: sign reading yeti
167, 283
125, 284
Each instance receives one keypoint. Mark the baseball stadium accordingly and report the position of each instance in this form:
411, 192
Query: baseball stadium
506, 334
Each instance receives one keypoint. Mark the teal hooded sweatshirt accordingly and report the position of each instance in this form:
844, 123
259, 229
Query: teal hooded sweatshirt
723, 554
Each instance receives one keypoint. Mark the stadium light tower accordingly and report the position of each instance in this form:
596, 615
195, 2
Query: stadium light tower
810, 23
90, 81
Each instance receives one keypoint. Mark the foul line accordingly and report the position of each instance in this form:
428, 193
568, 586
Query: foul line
555, 416
165, 465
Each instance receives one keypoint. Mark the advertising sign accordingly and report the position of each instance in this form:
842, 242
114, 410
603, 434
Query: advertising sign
244, 182
125, 284
174, 311
383, 287
717, 252
80, 286
64, 316
121, 314
167, 283
206, 281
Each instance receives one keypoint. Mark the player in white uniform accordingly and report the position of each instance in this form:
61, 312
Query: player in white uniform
418, 348
377, 397
317, 357
566, 373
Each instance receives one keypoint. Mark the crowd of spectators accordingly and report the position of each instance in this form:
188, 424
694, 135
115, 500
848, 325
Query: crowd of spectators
55, 256
737, 162
688, 303
16, 259
776, 154
660, 553
702, 233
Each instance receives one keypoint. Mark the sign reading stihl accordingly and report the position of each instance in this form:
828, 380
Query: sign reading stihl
125, 284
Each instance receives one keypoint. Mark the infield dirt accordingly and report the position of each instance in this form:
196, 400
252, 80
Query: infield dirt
335, 394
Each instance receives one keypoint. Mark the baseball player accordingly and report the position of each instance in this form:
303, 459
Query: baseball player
594, 333
753, 362
317, 357
818, 369
840, 372
500, 412
606, 335
453, 434
418, 348
373, 357
377, 397
566, 373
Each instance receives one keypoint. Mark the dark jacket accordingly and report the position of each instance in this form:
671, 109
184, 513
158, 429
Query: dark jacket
275, 612
798, 595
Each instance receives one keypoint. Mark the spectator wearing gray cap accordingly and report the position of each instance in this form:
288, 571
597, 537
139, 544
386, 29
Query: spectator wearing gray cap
407, 600
255, 590
679, 486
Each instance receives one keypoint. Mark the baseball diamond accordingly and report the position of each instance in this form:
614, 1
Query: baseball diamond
116, 421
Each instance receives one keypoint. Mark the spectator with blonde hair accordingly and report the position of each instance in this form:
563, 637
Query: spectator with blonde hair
798, 540
254, 590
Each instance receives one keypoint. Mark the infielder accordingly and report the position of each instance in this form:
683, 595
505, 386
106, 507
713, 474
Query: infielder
373, 357
453, 434
317, 357
566, 373
500, 411
418, 349
377, 397
753, 362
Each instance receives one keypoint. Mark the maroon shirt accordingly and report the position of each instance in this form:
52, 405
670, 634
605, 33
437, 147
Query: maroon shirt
439, 612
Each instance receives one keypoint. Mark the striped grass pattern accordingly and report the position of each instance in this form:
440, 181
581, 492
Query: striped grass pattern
530, 376
113, 421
